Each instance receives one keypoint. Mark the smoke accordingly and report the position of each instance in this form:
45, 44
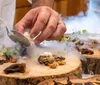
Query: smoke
90, 21
35, 51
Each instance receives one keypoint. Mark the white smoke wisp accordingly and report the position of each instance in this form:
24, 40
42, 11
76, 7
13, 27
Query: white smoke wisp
90, 22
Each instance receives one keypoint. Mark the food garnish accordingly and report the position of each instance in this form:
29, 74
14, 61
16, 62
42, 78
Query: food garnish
11, 54
51, 60
8, 54
63, 39
84, 31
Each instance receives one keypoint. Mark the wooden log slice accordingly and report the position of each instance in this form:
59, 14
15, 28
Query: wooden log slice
36, 72
64, 81
92, 44
92, 65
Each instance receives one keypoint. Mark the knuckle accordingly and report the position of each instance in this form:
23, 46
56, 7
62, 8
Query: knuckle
44, 8
43, 20
56, 14
52, 28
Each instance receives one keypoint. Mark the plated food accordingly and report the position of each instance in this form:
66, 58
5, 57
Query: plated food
48, 59
15, 70
10, 55
89, 47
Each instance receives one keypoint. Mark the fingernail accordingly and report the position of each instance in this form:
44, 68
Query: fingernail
32, 35
36, 42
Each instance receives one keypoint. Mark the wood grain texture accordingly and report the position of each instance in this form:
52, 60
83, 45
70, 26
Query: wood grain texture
22, 3
94, 80
63, 7
20, 13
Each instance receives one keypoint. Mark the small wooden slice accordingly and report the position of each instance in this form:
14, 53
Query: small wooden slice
92, 65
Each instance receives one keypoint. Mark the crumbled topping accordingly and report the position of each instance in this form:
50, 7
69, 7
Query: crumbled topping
51, 60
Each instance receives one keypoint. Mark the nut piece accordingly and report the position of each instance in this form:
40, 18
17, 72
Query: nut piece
12, 60
51, 60
61, 62
46, 60
53, 65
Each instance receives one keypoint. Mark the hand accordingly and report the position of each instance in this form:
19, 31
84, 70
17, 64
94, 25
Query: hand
45, 20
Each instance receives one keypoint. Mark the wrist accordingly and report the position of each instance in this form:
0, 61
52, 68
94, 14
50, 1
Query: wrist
38, 3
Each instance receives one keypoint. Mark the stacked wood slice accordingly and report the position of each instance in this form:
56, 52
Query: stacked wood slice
90, 49
66, 81
92, 65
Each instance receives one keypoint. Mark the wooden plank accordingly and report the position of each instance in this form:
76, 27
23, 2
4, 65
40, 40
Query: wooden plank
20, 12
64, 7
61, 7
22, 3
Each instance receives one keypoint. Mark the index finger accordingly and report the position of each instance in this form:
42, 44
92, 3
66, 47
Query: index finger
40, 24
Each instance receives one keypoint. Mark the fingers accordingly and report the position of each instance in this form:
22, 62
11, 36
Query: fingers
44, 20
61, 29
49, 30
40, 24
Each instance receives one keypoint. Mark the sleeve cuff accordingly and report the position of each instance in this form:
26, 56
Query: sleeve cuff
30, 1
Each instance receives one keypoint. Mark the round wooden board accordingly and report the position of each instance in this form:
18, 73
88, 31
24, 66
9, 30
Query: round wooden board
94, 80
36, 72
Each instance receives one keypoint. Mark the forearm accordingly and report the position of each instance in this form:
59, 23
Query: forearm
37, 3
